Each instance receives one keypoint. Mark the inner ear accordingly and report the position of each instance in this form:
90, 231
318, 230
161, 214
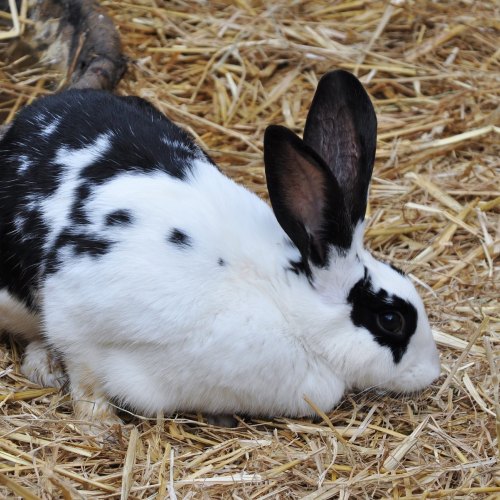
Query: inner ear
304, 195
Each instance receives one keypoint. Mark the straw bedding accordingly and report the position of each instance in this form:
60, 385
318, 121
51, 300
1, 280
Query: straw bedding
226, 70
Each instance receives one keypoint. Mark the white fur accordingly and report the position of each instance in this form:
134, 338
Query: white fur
41, 367
50, 128
174, 144
24, 164
167, 328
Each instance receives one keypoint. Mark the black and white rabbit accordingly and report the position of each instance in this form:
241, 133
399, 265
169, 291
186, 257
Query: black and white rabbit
162, 284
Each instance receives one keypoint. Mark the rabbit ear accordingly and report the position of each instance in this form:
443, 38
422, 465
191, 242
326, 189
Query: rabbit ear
305, 196
342, 128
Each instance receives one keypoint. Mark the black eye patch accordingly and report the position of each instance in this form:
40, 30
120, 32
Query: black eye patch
391, 320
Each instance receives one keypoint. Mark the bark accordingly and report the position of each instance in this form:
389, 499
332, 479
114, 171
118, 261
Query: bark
95, 59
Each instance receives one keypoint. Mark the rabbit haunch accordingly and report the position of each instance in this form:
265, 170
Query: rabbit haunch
166, 286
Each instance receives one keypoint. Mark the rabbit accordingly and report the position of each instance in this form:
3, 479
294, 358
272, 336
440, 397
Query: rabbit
141, 275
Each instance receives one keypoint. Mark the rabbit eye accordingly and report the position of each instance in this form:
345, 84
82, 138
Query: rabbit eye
391, 322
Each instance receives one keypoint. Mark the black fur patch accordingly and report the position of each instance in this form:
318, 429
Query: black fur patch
367, 304
177, 237
221, 262
81, 244
78, 214
118, 218
90, 245
401, 272
300, 267
20, 254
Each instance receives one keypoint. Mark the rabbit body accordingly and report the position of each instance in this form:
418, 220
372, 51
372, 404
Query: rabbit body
161, 284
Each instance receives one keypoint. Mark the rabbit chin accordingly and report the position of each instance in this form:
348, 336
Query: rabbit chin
418, 368
420, 364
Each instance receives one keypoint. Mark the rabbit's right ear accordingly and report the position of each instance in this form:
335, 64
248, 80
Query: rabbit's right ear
341, 127
305, 196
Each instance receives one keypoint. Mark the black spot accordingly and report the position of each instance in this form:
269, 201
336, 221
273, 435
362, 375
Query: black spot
368, 306
118, 218
300, 267
81, 244
177, 237
53, 262
78, 213
221, 262
90, 245
402, 273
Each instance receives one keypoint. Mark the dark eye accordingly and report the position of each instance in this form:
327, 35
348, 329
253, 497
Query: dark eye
391, 321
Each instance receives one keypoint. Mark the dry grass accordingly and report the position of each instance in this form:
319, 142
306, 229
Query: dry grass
226, 70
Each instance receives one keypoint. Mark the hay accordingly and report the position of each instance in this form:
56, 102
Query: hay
226, 70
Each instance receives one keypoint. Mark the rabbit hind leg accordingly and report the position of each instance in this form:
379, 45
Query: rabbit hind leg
39, 364
17, 318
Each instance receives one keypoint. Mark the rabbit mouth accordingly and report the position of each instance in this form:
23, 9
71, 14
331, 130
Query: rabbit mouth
400, 395
378, 392
415, 381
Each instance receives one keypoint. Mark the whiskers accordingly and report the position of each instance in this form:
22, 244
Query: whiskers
368, 396
378, 393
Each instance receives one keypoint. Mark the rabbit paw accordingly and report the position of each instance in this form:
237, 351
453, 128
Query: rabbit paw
41, 367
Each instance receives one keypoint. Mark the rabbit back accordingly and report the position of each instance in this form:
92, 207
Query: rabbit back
56, 153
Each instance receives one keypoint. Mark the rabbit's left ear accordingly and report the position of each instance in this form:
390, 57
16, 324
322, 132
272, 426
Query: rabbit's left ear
305, 196
341, 128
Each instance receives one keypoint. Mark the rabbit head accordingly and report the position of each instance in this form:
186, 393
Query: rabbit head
318, 188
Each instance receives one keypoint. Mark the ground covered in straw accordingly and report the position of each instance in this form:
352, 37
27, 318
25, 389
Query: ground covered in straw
226, 70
